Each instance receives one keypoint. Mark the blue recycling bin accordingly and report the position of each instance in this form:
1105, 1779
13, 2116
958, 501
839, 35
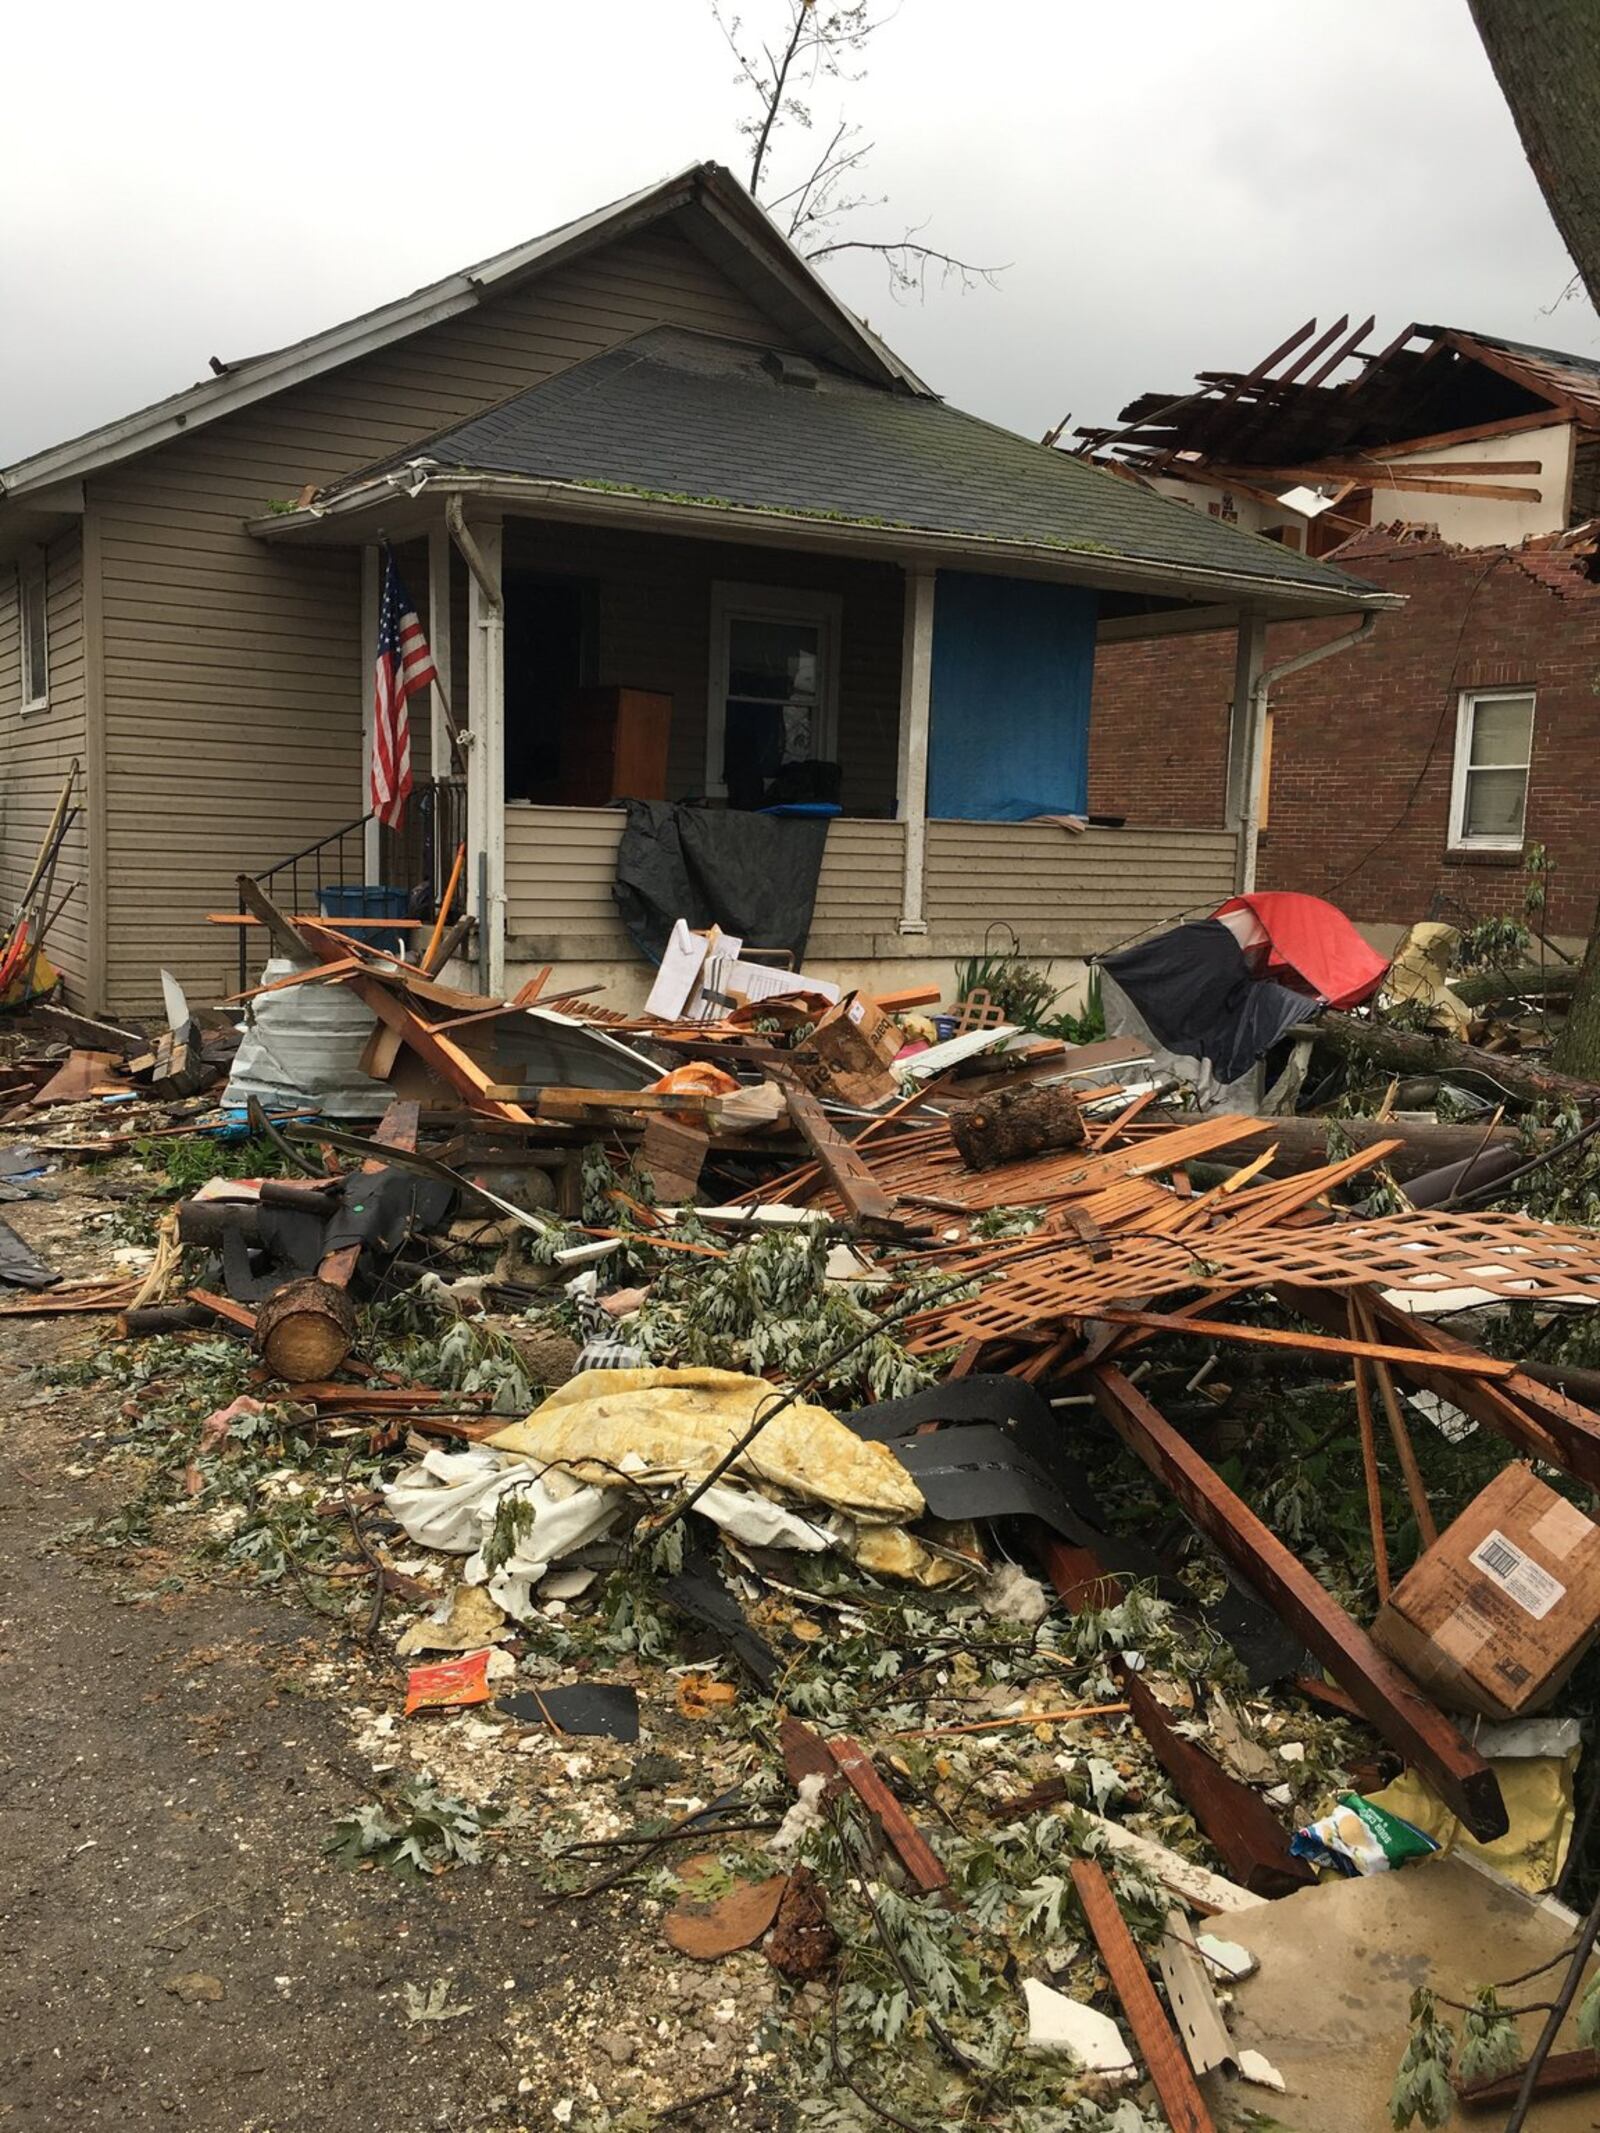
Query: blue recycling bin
368, 900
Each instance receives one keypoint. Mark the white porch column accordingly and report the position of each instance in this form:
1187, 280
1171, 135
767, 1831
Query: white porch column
486, 761
1245, 739
371, 578
439, 763
916, 689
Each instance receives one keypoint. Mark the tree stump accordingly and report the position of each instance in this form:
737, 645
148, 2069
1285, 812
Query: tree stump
305, 1330
1015, 1123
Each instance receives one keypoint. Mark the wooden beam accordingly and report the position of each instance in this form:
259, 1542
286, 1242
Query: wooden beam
1165, 2060
1247, 1836
1561, 2073
910, 1846
1392, 1703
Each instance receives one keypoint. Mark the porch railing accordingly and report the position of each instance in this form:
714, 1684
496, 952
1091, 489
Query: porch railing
419, 854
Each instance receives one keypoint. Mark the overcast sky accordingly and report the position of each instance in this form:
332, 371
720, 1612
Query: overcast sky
1170, 186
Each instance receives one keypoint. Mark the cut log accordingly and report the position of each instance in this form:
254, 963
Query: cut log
305, 1330
207, 1222
1015, 1123
1404, 1051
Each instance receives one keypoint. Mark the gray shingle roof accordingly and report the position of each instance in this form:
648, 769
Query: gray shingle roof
689, 417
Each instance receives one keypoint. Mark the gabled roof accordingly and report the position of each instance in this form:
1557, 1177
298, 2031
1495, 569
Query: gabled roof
689, 420
705, 202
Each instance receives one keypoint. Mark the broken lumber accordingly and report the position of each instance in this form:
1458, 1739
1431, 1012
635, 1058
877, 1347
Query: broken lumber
1465, 1360
1388, 1699
1400, 1051
866, 1203
1561, 2073
910, 1846
1165, 2060
1247, 1836
1016, 1123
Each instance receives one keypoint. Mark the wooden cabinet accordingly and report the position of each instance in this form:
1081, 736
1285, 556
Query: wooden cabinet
614, 746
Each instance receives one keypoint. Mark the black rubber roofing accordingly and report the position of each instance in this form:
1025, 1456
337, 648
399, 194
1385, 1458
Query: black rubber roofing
691, 418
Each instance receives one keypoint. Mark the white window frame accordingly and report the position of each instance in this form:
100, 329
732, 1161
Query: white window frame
1461, 840
732, 603
33, 573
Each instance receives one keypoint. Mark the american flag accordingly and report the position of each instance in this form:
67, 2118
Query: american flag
404, 665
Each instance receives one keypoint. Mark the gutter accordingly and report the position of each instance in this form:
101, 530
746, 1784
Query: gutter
1260, 691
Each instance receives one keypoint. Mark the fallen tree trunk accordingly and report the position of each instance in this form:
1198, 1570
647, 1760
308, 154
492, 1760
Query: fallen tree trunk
1482, 988
1404, 1051
1309, 1143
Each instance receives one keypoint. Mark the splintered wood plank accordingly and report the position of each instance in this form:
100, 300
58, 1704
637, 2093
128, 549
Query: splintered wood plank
911, 1847
1252, 1843
864, 1198
1412, 1726
1164, 2058
396, 1129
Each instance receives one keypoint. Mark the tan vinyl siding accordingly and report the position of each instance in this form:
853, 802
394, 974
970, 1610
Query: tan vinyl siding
36, 748
235, 672
561, 862
1068, 892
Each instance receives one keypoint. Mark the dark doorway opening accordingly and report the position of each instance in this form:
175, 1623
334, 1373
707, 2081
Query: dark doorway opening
549, 653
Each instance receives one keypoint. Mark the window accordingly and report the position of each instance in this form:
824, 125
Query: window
35, 634
1494, 746
774, 685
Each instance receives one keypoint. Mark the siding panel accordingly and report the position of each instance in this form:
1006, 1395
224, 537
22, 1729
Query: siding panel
36, 748
236, 670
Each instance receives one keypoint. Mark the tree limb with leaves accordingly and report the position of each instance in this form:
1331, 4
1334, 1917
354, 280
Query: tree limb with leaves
821, 45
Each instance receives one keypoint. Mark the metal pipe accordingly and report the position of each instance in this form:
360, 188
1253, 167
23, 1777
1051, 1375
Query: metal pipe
1259, 695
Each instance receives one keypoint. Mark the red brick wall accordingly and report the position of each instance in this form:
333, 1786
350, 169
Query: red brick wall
1363, 743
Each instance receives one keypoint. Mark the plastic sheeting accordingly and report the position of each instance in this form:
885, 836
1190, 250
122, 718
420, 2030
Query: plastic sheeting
753, 875
1194, 991
1013, 668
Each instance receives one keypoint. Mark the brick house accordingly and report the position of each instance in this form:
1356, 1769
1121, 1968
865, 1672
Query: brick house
1413, 774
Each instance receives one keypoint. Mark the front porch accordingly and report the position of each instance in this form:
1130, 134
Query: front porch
598, 643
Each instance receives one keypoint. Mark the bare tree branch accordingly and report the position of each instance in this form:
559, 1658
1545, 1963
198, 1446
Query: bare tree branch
819, 41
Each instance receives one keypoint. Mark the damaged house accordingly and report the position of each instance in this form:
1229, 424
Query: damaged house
679, 528
1416, 776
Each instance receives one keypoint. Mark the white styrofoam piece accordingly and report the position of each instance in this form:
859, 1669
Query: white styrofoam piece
1058, 2024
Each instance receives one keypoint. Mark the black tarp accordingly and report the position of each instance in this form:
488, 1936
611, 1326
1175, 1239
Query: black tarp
753, 875
1198, 997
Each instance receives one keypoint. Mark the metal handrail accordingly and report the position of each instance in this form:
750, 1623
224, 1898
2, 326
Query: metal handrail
440, 804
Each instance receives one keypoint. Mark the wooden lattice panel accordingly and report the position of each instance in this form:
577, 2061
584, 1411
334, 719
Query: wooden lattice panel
1419, 1254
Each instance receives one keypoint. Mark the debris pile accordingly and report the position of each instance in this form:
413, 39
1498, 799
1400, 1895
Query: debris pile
726, 1412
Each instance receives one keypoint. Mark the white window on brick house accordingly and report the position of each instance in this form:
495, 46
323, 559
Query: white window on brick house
31, 587
1489, 791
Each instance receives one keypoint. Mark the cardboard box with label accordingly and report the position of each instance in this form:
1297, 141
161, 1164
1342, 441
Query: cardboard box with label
856, 1043
1500, 1610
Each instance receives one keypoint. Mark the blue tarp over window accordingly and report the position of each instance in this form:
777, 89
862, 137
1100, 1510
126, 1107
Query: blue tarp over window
1013, 665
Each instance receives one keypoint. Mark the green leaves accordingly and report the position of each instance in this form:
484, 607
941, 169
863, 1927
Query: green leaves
1422, 2090
421, 1830
1489, 2041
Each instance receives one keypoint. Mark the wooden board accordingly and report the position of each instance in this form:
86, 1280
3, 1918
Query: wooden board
1164, 2058
1412, 1726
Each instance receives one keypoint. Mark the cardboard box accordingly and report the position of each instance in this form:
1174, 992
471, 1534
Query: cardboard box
1500, 1610
856, 1043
